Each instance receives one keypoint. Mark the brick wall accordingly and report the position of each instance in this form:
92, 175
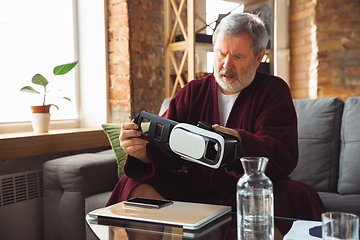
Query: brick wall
303, 61
119, 61
147, 55
338, 35
325, 48
135, 57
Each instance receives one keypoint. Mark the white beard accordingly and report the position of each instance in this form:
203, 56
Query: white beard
235, 86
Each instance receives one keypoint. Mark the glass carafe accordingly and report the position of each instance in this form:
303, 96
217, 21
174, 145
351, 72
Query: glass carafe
255, 205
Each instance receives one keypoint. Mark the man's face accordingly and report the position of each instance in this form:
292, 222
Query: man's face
235, 63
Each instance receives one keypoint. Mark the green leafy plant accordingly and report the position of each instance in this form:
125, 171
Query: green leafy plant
39, 79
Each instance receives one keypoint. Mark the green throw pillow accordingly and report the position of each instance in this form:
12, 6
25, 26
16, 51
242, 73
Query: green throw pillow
112, 131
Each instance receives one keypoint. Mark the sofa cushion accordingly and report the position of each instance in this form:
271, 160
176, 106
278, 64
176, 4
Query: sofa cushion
350, 148
335, 202
319, 123
96, 201
112, 131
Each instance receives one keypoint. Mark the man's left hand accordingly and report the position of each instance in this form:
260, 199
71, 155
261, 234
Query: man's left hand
226, 130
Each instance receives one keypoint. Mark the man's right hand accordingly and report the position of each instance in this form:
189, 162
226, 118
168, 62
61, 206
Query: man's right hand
131, 143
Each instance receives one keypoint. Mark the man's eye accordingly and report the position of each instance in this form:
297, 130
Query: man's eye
237, 57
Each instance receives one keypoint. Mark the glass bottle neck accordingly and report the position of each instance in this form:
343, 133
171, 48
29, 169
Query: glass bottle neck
254, 165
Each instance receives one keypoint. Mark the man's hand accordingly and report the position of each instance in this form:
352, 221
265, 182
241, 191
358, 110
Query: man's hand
226, 130
131, 143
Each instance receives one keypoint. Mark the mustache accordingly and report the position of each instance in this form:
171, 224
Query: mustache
228, 73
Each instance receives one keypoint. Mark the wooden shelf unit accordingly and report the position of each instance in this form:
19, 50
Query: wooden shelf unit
187, 46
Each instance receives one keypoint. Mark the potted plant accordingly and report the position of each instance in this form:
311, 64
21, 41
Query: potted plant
41, 113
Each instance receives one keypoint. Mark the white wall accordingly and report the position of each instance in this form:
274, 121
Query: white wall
93, 85
281, 44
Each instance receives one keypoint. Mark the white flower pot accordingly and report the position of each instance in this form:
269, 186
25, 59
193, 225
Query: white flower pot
41, 122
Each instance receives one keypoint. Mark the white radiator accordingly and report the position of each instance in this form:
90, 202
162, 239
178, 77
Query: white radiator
21, 206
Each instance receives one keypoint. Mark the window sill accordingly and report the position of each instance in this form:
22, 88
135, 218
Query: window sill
28, 144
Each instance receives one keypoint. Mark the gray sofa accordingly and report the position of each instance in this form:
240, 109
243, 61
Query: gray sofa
329, 160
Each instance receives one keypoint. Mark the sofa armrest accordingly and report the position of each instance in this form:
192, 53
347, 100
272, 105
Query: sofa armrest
67, 182
87, 172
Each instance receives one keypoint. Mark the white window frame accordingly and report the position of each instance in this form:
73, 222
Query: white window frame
91, 73
93, 85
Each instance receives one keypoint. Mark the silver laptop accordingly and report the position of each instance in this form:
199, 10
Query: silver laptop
191, 216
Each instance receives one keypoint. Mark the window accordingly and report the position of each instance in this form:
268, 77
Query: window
216, 7
213, 9
43, 33
37, 35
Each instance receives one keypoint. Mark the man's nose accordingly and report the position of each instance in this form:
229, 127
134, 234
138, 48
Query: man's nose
227, 63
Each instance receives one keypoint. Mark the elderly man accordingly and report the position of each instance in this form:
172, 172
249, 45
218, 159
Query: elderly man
239, 100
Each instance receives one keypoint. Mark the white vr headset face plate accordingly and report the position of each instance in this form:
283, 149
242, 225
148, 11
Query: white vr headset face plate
191, 142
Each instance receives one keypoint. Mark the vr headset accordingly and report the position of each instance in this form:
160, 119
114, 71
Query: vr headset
199, 144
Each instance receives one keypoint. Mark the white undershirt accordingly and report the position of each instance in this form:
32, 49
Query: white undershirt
226, 103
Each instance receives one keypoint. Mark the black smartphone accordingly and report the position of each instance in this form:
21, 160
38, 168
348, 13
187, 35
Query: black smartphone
147, 202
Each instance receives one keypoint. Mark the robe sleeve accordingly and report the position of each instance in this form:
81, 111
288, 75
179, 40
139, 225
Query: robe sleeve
271, 131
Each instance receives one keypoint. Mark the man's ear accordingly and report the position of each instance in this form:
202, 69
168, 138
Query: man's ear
260, 57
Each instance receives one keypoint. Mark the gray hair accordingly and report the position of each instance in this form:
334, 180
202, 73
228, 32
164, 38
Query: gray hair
240, 23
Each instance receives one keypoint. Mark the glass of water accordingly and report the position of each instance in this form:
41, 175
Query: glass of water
338, 225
